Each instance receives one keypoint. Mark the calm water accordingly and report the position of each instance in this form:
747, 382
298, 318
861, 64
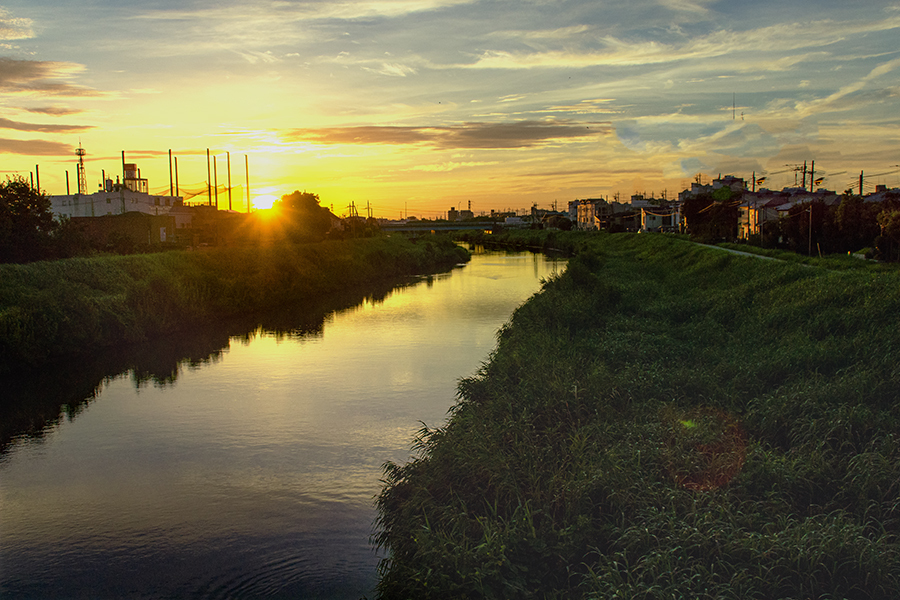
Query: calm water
226, 464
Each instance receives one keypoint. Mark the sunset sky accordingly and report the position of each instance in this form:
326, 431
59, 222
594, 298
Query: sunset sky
419, 105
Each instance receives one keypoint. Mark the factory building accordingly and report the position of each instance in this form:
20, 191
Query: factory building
115, 198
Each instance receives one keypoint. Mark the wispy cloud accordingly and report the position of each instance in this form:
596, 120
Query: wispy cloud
34, 147
46, 78
452, 166
522, 134
55, 111
13, 28
392, 69
838, 100
615, 51
41, 127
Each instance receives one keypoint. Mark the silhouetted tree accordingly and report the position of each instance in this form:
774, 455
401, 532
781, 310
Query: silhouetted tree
26, 222
857, 223
302, 216
712, 217
796, 226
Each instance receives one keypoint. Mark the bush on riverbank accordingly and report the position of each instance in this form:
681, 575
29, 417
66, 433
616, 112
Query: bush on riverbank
592, 455
74, 305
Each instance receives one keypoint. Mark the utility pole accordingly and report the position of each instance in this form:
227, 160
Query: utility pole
208, 180
810, 228
804, 175
812, 172
247, 170
216, 181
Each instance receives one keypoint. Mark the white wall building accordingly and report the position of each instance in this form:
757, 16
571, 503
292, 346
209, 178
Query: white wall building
114, 199
115, 202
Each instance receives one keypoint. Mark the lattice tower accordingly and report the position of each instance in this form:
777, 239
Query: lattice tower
82, 179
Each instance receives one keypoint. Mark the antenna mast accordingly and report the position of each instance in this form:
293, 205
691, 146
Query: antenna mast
82, 180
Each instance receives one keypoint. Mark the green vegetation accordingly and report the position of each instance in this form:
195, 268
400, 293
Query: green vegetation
27, 229
665, 420
80, 304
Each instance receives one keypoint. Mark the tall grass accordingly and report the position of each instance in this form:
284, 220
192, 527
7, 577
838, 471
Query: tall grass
554, 476
76, 305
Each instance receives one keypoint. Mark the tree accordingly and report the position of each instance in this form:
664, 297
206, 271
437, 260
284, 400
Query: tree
857, 222
302, 216
712, 217
26, 223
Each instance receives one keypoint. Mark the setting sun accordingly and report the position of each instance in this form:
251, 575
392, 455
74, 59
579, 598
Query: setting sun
264, 202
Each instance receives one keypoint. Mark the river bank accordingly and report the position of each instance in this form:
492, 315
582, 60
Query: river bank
66, 307
665, 420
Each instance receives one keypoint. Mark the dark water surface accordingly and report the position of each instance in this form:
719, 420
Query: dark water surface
224, 464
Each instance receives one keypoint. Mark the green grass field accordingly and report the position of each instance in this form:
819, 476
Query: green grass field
76, 305
665, 420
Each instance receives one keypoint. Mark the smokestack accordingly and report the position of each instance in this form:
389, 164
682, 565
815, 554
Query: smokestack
123, 167
228, 156
177, 191
37, 173
247, 169
208, 180
170, 173
67, 182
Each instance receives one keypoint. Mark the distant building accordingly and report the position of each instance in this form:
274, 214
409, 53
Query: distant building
661, 218
735, 184
115, 199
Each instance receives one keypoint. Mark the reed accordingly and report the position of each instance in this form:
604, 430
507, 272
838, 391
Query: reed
75, 305
565, 468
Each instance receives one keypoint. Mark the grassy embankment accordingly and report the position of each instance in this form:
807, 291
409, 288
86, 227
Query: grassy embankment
593, 455
75, 305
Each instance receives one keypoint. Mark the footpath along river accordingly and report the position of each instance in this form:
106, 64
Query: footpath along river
240, 465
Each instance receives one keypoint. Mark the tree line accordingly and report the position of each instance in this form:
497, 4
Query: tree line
29, 232
812, 227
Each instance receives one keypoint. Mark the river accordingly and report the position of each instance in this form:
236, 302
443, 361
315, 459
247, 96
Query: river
239, 462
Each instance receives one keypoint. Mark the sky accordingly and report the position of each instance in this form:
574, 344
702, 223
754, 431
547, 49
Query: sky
411, 107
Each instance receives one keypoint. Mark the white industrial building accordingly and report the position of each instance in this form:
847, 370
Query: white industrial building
115, 199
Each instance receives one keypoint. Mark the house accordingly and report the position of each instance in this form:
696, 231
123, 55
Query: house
661, 218
765, 206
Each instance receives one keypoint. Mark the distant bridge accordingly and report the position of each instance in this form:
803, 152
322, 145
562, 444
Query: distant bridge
417, 227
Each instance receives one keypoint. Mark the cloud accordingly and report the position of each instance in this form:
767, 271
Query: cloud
522, 134
253, 57
55, 111
40, 78
12, 28
452, 166
839, 99
615, 51
34, 148
392, 70
8, 124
